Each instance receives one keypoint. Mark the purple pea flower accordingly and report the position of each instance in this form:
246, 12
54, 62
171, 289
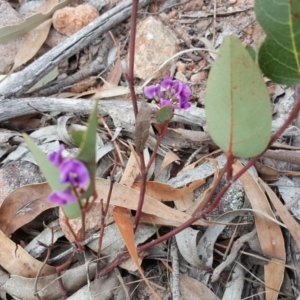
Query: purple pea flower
152, 91
183, 94
170, 92
62, 197
75, 172
168, 83
164, 102
56, 156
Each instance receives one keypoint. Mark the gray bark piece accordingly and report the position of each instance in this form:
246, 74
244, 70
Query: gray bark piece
121, 111
42, 66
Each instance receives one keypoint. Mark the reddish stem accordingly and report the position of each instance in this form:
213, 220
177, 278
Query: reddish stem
213, 205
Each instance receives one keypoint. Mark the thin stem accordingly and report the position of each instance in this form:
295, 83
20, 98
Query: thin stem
215, 202
104, 214
144, 173
130, 74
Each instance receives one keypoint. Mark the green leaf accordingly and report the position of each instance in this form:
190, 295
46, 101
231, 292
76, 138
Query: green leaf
51, 173
87, 152
237, 104
251, 52
164, 114
72, 210
77, 136
279, 54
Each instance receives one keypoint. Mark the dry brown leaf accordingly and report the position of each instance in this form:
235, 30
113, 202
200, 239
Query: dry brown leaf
126, 229
121, 196
165, 192
191, 288
291, 224
92, 222
197, 162
169, 158
266, 172
115, 74
198, 205
131, 171
126, 197
142, 125
23, 205
269, 233
16, 261
48, 287
32, 43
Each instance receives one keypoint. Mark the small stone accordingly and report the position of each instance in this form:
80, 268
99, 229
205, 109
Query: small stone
155, 43
69, 20
232, 1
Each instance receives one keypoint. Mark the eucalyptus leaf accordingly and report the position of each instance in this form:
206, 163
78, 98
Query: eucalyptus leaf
11, 32
237, 104
279, 54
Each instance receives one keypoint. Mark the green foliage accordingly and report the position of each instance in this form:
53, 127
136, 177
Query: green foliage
164, 114
51, 173
279, 54
77, 136
87, 155
251, 52
237, 103
87, 152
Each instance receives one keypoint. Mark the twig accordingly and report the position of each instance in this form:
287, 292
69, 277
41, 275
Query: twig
104, 214
25, 79
175, 273
36, 293
93, 68
213, 205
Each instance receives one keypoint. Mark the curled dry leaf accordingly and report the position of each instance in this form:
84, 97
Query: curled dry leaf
16, 261
48, 286
291, 224
126, 197
269, 233
142, 125
23, 205
191, 288
125, 227
165, 192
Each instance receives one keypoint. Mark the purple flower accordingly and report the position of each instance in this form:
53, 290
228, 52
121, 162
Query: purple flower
170, 92
168, 82
62, 197
152, 91
183, 91
56, 156
75, 172
164, 102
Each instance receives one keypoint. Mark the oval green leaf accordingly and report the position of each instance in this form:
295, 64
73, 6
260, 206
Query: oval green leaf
164, 114
237, 104
279, 54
